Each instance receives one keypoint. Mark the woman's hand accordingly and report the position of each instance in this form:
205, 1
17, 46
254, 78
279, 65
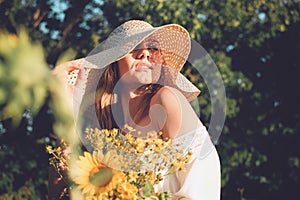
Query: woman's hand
70, 73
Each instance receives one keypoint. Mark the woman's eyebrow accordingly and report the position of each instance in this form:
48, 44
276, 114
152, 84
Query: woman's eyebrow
146, 44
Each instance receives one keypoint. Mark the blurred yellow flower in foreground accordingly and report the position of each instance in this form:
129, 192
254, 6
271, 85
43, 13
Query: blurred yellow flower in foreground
93, 177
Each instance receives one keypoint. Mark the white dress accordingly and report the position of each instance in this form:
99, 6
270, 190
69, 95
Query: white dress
202, 178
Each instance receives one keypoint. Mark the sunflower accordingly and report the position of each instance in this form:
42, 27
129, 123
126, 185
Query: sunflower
93, 177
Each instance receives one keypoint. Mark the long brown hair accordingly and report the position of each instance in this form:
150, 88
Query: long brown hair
105, 95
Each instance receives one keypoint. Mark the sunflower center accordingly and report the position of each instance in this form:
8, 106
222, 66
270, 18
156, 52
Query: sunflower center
100, 176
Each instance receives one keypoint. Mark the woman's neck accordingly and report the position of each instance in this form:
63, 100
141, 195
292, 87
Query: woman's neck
130, 91
131, 101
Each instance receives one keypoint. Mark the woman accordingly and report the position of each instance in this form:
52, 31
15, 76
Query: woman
134, 78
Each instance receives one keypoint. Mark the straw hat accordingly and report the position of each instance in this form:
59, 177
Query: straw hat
175, 45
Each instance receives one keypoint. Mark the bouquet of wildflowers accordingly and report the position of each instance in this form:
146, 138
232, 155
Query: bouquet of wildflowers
123, 166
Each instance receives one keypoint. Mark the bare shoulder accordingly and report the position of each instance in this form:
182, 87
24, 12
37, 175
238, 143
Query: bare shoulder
168, 96
180, 116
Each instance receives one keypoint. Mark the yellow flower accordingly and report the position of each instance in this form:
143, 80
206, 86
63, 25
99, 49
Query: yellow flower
140, 145
129, 128
158, 144
132, 176
129, 138
110, 159
152, 177
127, 191
149, 142
94, 177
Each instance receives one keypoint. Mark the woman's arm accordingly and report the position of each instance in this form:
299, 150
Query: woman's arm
169, 114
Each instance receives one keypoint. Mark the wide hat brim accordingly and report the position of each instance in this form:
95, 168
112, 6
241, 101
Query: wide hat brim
174, 42
175, 45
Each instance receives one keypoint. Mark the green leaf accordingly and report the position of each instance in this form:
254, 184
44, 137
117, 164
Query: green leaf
148, 189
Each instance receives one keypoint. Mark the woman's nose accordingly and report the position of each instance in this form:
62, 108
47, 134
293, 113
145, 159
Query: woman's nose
144, 53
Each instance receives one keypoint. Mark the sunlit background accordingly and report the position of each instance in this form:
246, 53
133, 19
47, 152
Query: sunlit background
255, 45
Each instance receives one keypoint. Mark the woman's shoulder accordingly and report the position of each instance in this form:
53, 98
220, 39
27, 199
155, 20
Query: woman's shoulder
178, 109
167, 95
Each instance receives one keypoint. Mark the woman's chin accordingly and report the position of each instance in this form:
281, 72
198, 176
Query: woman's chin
140, 80
145, 79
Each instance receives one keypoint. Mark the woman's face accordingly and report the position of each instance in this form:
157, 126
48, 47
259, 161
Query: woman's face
143, 64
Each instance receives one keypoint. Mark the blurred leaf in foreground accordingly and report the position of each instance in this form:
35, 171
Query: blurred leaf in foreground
23, 75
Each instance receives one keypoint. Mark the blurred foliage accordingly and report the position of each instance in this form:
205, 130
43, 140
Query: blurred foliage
255, 45
24, 77
23, 80
33, 107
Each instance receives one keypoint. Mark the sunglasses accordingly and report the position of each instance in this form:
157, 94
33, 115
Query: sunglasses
153, 48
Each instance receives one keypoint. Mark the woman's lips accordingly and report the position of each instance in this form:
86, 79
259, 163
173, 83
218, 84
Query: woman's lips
143, 68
